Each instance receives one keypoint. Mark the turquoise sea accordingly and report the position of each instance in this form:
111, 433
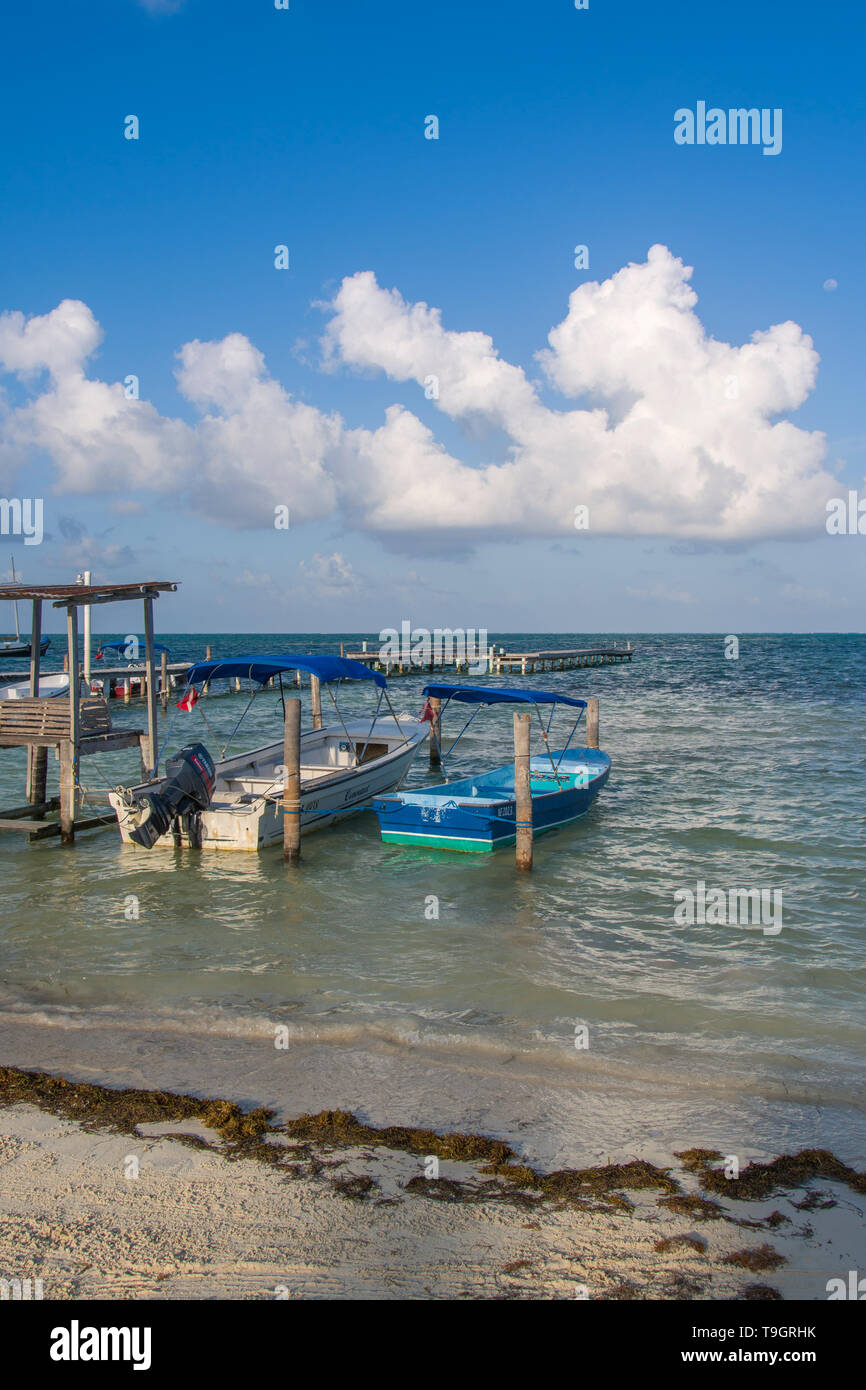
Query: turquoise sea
450, 990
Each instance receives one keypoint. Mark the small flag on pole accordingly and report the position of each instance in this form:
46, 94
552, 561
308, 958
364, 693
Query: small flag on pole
189, 699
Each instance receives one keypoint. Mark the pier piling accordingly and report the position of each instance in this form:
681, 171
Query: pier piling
316, 700
522, 792
292, 783
592, 723
436, 732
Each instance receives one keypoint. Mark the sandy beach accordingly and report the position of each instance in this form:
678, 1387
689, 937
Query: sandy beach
245, 1207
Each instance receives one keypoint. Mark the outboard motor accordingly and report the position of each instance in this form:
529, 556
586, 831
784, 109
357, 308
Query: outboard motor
187, 790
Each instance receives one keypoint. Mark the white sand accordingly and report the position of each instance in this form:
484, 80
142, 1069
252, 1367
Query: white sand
194, 1225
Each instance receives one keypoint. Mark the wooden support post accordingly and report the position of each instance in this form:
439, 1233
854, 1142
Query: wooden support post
163, 678
207, 655
67, 793
37, 757
436, 732
316, 694
69, 750
150, 687
592, 723
522, 791
342, 652
292, 783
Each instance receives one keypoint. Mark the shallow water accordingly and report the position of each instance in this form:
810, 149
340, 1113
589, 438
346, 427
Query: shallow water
745, 773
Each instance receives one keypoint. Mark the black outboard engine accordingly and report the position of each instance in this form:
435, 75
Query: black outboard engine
187, 790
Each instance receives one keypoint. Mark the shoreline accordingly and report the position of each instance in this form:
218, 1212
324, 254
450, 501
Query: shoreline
233, 1203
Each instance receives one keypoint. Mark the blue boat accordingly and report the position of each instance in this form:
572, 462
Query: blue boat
477, 814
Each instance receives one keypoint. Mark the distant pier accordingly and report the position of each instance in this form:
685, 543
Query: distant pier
496, 662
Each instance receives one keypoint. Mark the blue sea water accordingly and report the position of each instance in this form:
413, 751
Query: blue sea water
449, 989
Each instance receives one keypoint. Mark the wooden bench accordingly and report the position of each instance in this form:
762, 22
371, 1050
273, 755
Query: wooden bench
43, 722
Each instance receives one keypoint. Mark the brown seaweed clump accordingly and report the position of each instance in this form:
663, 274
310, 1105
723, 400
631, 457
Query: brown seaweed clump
765, 1257
690, 1204
760, 1180
342, 1129
761, 1291
694, 1160
669, 1243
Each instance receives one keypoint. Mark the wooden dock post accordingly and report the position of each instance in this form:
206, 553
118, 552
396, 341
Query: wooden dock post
292, 783
163, 678
436, 732
37, 756
592, 723
207, 655
522, 792
69, 747
316, 700
150, 689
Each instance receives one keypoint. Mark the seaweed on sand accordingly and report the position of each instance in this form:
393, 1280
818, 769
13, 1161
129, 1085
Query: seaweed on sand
760, 1180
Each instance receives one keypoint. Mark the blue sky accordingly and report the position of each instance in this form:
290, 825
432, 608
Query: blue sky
305, 127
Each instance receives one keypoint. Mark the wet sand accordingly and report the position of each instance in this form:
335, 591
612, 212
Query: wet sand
244, 1206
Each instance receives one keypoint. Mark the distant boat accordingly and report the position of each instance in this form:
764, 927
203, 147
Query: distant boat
478, 813
15, 647
49, 686
237, 803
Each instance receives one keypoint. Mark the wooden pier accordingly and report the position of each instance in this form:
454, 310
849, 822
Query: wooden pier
496, 662
554, 660
77, 724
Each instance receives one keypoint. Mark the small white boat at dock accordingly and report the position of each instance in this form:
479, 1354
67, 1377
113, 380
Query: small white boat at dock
240, 807
48, 687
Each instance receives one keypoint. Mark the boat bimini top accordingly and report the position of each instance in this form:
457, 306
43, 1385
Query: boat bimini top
260, 668
490, 695
496, 695
263, 668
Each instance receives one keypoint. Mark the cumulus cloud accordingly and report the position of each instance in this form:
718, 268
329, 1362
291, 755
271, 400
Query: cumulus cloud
677, 435
661, 429
253, 448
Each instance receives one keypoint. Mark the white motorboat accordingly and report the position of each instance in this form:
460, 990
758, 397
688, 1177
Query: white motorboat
343, 766
48, 687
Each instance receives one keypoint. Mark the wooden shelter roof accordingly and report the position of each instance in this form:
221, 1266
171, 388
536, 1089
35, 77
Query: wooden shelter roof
79, 595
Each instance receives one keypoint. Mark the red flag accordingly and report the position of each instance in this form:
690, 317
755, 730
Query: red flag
426, 713
189, 699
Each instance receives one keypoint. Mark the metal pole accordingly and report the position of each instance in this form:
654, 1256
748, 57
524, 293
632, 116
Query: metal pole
150, 691
87, 637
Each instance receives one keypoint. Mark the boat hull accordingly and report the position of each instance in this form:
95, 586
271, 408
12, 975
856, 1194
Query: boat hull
49, 686
250, 823
477, 815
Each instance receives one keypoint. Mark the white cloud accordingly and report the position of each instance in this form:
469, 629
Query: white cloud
329, 576
672, 434
679, 439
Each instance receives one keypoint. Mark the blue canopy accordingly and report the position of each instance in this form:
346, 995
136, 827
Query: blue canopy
262, 668
487, 695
